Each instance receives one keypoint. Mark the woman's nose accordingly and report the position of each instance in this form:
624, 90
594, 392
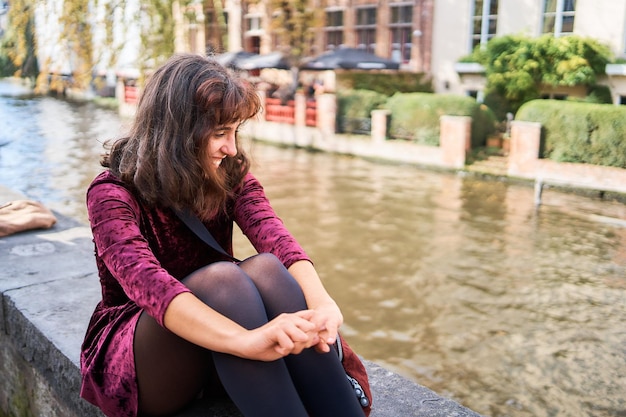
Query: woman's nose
230, 146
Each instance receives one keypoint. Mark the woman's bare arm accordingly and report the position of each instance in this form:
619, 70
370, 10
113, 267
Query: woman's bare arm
188, 317
328, 316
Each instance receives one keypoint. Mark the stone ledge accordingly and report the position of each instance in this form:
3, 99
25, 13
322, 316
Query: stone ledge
49, 287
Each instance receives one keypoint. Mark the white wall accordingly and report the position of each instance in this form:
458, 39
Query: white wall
519, 17
603, 20
52, 53
126, 37
451, 33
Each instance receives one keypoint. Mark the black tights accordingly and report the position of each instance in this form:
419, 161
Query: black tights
171, 371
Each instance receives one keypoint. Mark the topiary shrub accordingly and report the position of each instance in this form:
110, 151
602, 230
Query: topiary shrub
579, 132
387, 83
415, 117
354, 108
358, 103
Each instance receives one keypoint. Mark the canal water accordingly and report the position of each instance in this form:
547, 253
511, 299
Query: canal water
459, 284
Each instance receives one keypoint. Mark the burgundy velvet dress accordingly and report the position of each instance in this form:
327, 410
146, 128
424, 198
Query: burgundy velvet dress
142, 253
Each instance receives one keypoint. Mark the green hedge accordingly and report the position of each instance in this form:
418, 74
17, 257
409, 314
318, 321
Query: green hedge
354, 108
358, 103
415, 116
387, 83
579, 132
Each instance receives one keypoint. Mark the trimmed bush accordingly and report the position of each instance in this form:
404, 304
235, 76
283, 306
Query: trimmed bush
387, 83
358, 103
415, 117
354, 108
579, 132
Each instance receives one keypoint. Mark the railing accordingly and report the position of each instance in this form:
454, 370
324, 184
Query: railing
275, 111
131, 94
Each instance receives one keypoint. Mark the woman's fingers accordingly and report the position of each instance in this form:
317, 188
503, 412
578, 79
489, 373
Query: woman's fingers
328, 318
289, 333
294, 332
284, 345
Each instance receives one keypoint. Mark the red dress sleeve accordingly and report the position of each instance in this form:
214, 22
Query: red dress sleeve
266, 231
115, 218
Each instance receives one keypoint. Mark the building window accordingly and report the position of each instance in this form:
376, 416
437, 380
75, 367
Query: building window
334, 29
558, 16
484, 21
366, 28
253, 23
400, 26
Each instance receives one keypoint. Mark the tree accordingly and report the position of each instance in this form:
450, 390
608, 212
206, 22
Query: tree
20, 44
517, 67
157, 35
77, 32
293, 22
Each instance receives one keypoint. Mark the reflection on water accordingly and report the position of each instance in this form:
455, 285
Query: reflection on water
52, 147
459, 284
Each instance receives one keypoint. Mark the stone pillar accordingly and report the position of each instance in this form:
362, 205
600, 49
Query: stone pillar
262, 93
379, 125
124, 108
200, 41
326, 113
524, 152
300, 109
455, 140
119, 90
179, 28
233, 8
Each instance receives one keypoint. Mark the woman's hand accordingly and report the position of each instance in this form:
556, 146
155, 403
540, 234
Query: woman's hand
288, 333
328, 319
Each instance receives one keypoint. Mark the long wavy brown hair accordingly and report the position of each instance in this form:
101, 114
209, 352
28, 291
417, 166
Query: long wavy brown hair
165, 155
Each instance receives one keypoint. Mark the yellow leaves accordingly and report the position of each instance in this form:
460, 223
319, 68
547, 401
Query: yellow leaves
77, 32
570, 65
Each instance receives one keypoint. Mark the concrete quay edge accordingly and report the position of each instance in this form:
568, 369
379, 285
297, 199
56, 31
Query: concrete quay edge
49, 287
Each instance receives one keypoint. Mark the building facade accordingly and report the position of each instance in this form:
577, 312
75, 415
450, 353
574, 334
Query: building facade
424, 36
430, 36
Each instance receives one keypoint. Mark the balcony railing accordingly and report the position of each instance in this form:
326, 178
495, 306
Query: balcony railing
131, 94
275, 111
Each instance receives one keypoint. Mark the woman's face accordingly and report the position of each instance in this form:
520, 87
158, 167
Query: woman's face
223, 143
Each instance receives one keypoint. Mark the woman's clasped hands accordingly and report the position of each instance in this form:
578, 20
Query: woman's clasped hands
291, 333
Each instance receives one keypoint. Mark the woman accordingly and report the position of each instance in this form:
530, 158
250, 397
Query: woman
178, 318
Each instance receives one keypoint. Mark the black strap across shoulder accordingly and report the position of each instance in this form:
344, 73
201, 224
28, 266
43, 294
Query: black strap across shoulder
196, 226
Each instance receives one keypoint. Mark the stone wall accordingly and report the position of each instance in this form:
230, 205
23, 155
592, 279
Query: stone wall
524, 162
48, 290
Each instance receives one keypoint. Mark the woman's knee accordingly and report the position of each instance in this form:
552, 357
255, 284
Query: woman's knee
266, 269
215, 277
262, 262
280, 291
219, 283
226, 288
